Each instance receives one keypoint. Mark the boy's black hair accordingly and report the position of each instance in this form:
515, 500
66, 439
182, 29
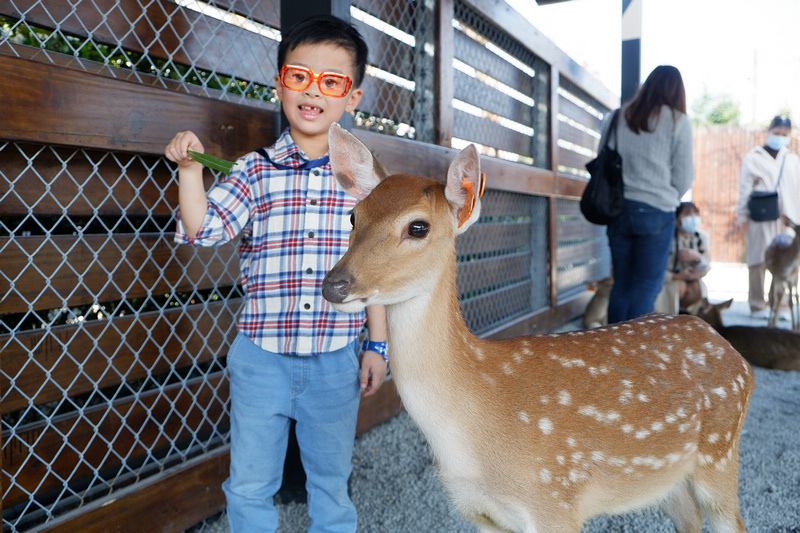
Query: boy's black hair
326, 29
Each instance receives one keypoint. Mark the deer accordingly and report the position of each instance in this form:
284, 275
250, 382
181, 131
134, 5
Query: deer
767, 347
782, 258
537, 433
596, 313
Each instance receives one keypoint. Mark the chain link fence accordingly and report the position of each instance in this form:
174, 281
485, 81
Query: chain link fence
113, 338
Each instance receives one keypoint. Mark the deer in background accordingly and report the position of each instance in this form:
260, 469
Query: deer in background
596, 313
776, 348
537, 434
782, 258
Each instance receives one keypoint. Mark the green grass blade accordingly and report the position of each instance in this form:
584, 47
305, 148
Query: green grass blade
212, 162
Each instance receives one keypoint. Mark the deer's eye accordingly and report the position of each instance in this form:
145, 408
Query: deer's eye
352, 219
418, 229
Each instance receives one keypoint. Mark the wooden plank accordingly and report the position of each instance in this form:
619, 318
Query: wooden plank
103, 268
479, 57
490, 237
493, 308
71, 360
146, 425
170, 502
159, 29
489, 133
475, 92
571, 110
49, 180
444, 72
55, 105
386, 100
576, 136
493, 271
542, 320
420, 159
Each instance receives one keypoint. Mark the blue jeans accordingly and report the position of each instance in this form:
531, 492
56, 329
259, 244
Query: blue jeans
322, 394
639, 239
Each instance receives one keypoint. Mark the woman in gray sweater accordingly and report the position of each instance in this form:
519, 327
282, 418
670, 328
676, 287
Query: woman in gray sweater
655, 142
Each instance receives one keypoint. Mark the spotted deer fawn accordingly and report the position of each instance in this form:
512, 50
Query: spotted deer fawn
782, 258
537, 434
776, 348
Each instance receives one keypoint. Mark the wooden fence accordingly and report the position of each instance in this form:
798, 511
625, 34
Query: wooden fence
718, 153
112, 384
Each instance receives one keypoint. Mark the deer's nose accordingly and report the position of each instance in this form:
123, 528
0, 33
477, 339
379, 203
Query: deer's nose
335, 288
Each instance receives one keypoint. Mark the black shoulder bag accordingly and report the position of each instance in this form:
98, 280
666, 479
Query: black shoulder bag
602, 200
764, 205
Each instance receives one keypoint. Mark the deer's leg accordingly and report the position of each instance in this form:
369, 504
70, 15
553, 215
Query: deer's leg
775, 298
717, 492
683, 509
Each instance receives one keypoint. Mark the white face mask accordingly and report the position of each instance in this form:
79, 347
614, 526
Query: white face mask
776, 142
690, 224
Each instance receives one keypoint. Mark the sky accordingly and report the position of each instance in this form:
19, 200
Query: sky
748, 50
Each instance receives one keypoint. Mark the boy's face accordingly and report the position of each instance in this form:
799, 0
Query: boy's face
309, 112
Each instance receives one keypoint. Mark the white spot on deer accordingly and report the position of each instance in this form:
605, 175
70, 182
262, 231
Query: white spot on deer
617, 461
572, 443
598, 457
721, 465
713, 438
517, 358
564, 398
593, 412
545, 425
642, 434
545, 399
720, 391
664, 357
698, 358
673, 458
657, 426
627, 428
555, 494
545, 477
671, 419
561, 460
507, 370
488, 379
524, 417
567, 362
681, 412
642, 397
706, 401
728, 436
615, 350
577, 475
653, 462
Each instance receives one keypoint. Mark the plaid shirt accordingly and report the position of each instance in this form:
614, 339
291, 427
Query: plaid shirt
295, 225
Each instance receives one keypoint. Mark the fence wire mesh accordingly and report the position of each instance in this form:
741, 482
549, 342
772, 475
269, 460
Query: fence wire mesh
111, 335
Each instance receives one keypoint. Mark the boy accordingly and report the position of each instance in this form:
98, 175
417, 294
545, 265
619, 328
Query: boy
294, 357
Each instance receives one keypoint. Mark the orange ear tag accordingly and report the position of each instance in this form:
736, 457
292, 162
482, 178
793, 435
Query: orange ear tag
469, 201
483, 184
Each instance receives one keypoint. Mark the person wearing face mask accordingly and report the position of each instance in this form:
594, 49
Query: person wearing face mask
767, 168
688, 262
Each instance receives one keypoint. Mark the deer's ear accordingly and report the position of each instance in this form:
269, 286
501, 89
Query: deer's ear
353, 165
464, 188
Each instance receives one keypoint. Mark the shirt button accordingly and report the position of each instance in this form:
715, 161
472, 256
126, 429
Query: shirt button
315, 172
306, 306
310, 234
313, 202
309, 270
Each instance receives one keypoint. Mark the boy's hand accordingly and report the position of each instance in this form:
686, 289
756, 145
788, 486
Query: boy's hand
177, 147
373, 372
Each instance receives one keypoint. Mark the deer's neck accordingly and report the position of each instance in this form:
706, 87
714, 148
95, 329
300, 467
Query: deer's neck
428, 340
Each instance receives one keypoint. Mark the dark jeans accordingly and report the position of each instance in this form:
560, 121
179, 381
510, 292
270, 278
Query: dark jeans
639, 241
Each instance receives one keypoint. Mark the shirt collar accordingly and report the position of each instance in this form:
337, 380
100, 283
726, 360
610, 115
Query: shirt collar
286, 153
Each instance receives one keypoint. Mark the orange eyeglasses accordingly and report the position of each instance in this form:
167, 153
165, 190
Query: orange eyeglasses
300, 78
